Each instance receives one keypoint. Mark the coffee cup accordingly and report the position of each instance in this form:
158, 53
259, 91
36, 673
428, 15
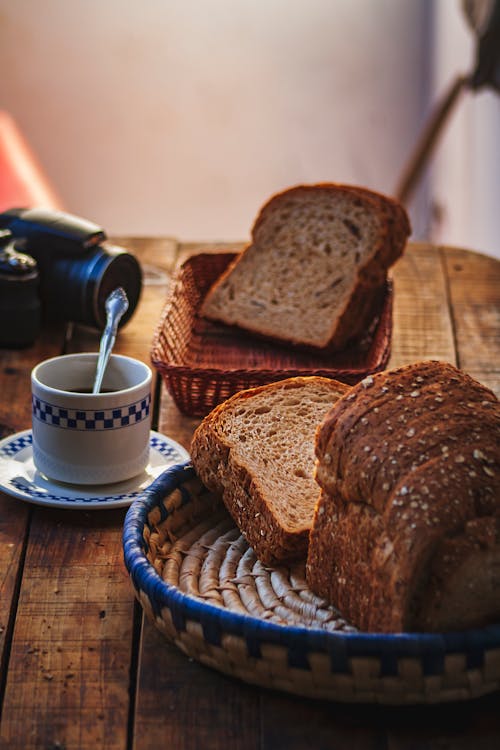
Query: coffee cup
85, 438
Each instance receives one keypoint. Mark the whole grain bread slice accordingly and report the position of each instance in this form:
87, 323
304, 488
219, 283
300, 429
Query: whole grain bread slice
257, 450
315, 268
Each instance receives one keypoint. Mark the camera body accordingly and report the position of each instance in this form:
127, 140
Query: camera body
58, 267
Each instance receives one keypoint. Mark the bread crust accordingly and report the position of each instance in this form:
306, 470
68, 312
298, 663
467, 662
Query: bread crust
226, 467
360, 306
409, 466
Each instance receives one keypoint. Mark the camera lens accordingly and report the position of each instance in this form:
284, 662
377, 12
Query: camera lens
115, 268
75, 289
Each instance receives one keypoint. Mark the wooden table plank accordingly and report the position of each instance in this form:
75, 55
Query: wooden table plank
474, 284
14, 517
453, 726
69, 664
183, 705
15, 415
15, 378
422, 323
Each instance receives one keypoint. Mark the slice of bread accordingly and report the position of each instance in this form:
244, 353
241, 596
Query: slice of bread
257, 450
314, 271
406, 534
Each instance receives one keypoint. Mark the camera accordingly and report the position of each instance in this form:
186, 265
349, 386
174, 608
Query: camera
58, 267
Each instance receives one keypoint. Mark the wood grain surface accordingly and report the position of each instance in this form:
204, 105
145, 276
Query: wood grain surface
80, 667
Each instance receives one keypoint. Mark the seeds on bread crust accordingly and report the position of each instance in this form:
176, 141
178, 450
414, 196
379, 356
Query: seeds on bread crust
435, 435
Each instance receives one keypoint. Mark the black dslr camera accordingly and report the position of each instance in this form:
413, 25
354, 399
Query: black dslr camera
56, 266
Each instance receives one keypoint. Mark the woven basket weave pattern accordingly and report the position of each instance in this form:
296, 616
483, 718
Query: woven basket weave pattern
203, 588
203, 363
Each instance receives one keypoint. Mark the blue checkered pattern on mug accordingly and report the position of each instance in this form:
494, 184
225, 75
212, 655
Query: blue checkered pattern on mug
94, 419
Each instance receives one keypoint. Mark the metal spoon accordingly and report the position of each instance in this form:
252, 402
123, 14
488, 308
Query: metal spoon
116, 305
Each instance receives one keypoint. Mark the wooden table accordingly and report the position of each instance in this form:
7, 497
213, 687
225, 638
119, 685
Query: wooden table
79, 666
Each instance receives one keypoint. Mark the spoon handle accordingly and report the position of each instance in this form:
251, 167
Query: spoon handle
116, 306
107, 342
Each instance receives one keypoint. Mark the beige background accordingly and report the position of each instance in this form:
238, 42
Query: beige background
181, 117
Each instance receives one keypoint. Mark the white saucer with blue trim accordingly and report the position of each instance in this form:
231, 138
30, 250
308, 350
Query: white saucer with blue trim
20, 478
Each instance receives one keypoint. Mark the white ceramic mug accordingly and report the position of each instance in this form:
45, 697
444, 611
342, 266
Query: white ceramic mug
85, 438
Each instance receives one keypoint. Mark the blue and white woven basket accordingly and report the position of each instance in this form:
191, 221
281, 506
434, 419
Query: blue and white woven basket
204, 589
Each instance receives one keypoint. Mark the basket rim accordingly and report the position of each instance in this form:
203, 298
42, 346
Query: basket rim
344, 644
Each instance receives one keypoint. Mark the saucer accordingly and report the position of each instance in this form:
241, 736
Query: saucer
20, 478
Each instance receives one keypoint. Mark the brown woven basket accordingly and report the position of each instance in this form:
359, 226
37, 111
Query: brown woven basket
204, 363
202, 586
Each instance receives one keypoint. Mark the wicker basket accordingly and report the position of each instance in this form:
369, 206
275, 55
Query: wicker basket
204, 363
203, 588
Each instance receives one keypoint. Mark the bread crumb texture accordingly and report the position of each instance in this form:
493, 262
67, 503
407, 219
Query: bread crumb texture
406, 534
257, 450
315, 267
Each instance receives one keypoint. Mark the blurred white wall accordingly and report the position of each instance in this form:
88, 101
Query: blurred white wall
181, 117
465, 172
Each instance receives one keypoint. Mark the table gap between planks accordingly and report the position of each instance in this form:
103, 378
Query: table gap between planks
81, 668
